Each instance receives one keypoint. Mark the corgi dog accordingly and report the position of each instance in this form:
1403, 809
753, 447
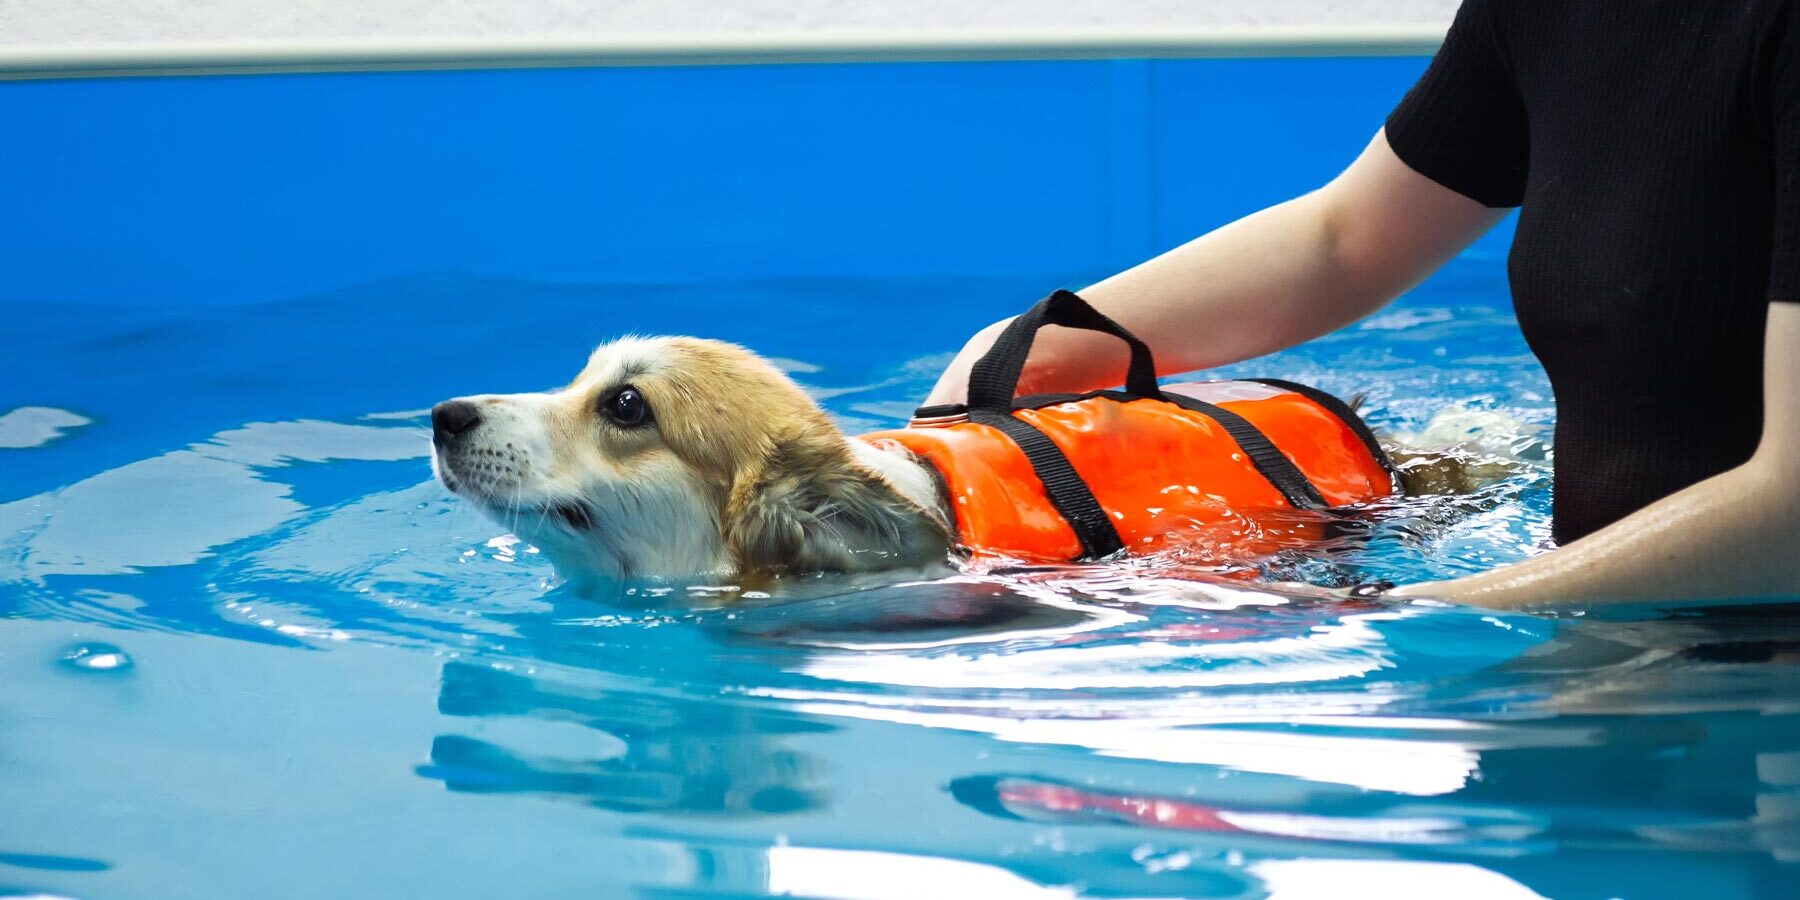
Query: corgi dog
681, 457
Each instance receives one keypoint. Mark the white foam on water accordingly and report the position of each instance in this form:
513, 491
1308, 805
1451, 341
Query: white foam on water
35, 426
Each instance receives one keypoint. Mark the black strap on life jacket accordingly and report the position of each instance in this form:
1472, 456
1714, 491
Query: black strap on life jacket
994, 380
1264, 455
1067, 491
1269, 461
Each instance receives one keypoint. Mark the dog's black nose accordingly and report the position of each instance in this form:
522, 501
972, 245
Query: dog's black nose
451, 418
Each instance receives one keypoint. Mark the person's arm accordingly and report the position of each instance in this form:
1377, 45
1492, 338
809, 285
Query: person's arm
1733, 536
1263, 283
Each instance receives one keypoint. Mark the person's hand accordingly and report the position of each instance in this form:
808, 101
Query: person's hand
1062, 360
953, 386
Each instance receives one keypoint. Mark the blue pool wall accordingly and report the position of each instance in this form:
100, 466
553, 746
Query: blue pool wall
232, 189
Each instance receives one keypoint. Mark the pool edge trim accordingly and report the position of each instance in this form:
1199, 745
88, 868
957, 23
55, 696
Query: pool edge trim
18, 63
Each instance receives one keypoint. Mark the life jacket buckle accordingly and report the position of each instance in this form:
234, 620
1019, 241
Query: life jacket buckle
939, 416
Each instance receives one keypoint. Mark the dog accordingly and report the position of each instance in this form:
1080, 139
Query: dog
682, 457
679, 457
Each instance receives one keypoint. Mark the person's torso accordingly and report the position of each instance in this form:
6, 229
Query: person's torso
1641, 263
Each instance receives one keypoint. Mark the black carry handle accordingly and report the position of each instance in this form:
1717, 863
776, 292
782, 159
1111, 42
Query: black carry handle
995, 376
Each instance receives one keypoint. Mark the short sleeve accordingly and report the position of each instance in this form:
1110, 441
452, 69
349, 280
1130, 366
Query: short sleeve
1784, 96
1463, 124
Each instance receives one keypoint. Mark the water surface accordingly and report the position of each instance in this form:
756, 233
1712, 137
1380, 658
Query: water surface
249, 648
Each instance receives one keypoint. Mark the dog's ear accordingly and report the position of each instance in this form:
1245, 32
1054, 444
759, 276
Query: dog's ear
809, 506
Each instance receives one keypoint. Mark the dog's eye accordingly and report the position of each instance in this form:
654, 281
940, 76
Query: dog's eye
627, 407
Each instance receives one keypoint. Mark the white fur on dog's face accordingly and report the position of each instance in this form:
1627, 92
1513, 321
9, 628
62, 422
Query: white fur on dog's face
734, 469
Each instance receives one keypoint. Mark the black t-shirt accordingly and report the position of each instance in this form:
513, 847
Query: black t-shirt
1653, 147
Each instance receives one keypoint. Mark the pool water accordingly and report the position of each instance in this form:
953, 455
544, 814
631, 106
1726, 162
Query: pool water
250, 648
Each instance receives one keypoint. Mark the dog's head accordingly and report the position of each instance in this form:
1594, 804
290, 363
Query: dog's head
678, 456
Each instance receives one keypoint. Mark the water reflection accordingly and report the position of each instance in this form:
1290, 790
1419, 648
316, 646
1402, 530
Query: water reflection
667, 754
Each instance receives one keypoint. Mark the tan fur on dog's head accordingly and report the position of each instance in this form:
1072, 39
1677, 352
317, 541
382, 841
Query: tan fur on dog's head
732, 469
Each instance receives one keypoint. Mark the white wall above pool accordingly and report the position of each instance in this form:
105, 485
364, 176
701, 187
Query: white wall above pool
50, 22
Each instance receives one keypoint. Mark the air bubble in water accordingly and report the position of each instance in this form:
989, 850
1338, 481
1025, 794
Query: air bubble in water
97, 658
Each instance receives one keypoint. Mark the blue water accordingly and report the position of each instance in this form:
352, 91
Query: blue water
250, 648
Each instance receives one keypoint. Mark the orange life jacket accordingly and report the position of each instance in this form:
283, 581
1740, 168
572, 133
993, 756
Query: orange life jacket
1234, 469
